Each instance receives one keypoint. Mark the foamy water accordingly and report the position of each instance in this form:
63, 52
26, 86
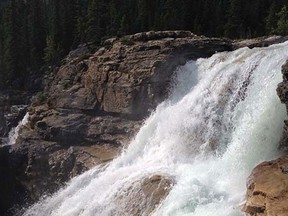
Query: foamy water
14, 132
222, 118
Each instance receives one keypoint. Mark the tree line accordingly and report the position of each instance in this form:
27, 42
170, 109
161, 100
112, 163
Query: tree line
35, 34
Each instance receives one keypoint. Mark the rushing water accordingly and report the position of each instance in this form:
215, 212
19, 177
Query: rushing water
222, 118
14, 132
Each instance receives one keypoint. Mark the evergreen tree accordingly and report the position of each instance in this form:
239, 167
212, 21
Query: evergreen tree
1, 52
234, 25
96, 19
68, 23
143, 15
282, 23
81, 22
36, 33
271, 20
113, 24
10, 56
173, 16
22, 43
54, 50
123, 27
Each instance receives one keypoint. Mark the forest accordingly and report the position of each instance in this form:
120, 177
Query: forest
37, 34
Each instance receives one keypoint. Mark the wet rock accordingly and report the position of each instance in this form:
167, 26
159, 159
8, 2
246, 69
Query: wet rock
141, 198
282, 91
260, 42
13, 106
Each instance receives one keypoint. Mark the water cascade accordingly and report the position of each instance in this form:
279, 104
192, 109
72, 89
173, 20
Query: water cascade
223, 117
14, 132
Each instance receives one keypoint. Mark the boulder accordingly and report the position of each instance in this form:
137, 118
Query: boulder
267, 193
142, 197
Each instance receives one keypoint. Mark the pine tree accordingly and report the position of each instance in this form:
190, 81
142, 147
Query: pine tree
68, 23
36, 33
271, 20
234, 27
96, 21
10, 55
123, 27
143, 15
53, 52
23, 58
113, 24
81, 22
172, 16
282, 23
1, 51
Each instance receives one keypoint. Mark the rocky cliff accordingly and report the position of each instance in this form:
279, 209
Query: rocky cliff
93, 105
267, 186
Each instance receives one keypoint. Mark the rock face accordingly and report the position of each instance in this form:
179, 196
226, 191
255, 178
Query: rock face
260, 41
267, 186
128, 76
93, 105
282, 92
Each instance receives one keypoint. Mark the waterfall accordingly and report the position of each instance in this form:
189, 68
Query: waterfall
223, 117
14, 132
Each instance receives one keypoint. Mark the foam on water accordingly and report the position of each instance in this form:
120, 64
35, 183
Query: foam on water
14, 132
223, 117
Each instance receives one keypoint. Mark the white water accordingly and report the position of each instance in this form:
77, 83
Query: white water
207, 136
14, 132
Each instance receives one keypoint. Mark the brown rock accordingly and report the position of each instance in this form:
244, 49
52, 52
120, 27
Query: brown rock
129, 79
142, 197
260, 41
267, 185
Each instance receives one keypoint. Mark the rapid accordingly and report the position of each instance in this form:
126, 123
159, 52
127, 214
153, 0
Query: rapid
222, 118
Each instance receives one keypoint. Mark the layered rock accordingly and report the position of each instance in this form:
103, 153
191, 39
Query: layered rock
260, 41
131, 75
94, 104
